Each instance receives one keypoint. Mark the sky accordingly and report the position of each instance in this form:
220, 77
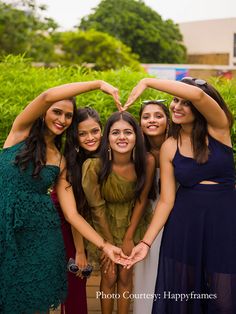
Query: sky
67, 13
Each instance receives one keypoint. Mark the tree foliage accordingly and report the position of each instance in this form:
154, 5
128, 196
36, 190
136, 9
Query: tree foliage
22, 30
97, 48
139, 27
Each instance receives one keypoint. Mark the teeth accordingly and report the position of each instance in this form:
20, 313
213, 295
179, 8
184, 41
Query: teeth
152, 126
122, 144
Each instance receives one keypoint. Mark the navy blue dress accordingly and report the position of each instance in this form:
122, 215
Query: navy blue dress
197, 265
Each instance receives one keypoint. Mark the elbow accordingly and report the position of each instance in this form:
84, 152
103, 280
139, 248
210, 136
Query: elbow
199, 95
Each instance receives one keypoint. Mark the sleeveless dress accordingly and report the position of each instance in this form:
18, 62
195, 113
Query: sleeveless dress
32, 259
76, 300
197, 266
111, 207
145, 272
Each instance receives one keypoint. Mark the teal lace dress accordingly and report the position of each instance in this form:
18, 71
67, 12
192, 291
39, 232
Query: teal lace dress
32, 258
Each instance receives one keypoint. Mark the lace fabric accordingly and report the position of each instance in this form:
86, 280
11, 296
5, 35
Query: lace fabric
32, 258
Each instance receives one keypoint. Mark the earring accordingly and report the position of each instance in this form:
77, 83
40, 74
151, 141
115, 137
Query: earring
77, 149
134, 153
109, 153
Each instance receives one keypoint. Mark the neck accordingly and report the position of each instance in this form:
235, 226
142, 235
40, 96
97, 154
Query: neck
186, 129
49, 140
121, 159
156, 141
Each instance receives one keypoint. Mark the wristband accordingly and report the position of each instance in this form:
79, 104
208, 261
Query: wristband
141, 241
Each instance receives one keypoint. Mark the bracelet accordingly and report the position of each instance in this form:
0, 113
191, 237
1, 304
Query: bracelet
141, 241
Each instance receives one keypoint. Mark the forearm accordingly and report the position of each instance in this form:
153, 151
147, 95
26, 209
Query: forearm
100, 222
174, 88
78, 240
69, 90
159, 219
135, 219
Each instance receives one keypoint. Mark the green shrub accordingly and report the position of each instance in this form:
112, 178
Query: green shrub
20, 83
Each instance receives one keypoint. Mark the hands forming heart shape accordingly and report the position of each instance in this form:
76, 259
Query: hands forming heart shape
114, 92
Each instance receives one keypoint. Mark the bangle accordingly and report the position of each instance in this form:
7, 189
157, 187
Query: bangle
101, 247
141, 241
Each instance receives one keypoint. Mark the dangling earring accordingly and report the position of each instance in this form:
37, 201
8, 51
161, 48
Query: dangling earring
134, 153
77, 149
167, 131
109, 153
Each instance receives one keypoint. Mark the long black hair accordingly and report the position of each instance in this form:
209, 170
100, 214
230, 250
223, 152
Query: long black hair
75, 157
34, 149
199, 130
140, 151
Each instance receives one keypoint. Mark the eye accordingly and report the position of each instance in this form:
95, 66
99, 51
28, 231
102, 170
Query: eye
186, 103
128, 132
69, 115
57, 112
175, 99
115, 132
81, 134
145, 116
95, 131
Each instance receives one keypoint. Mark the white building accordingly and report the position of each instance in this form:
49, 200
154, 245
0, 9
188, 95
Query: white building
210, 41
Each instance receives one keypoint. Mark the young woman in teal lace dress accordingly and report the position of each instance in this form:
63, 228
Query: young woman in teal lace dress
33, 266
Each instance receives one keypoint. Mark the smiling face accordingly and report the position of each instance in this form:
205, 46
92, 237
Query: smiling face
153, 120
122, 137
59, 117
181, 111
89, 134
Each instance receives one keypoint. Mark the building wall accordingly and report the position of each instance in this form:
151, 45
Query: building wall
212, 38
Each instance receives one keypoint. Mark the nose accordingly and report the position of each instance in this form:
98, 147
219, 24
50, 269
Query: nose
122, 136
62, 119
152, 119
89, 136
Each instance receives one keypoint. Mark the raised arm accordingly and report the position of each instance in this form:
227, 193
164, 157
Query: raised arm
208, 107
165, 203
41, 103
139, 207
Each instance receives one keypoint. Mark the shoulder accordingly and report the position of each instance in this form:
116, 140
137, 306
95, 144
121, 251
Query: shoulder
168, 148
91, 164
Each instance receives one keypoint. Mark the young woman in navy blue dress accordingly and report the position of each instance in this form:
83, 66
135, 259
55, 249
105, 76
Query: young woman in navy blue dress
197, 266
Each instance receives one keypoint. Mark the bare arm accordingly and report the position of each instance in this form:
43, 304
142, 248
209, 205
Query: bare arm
208, 107
41, 103
80, 256
165, 203
140, 204
68, 205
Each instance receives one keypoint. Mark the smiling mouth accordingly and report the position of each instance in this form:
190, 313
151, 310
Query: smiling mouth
122, 144
152, 126
59, 126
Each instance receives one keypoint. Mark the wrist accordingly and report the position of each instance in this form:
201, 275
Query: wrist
102, 245
144, 242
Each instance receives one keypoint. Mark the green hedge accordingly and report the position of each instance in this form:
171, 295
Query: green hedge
20, 83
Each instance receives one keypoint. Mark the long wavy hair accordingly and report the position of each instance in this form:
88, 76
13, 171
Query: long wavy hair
199, 130
75, 156
34, 150
154, 188
140, 151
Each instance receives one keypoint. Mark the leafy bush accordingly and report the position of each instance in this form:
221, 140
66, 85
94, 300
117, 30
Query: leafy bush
20, 83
